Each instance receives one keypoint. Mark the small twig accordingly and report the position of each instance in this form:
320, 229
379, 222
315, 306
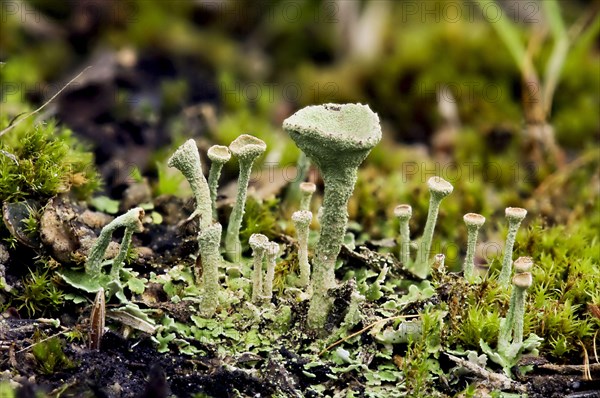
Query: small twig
496, 380
570, 369
340, 341
15, 124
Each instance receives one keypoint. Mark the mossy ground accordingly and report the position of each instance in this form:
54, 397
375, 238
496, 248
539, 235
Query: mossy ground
381, 350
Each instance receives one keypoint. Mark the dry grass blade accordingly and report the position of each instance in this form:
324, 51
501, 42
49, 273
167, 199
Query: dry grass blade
15, 124
97, 320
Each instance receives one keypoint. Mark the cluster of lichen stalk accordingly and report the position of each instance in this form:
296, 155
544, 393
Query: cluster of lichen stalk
337, 138
511, 329
186, 159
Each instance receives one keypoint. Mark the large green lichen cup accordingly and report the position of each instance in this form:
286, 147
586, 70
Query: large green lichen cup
337, 138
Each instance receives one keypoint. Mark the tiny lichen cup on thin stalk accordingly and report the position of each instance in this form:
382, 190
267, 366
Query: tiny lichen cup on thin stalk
306, 189
218, 155
514, 215
271, 254
438, 190
473, 221
521, 283
259, 244
523, 264
404, 213
302, 220
337, 138
512, 325
186, 159
132, 221
209, 240
246, 148
438, 262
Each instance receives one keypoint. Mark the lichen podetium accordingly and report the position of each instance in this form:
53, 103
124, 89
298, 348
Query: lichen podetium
337, 138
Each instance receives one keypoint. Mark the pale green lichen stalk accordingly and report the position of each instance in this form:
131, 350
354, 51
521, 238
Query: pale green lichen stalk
132, 221
218, 155
259, 244
514, 215
337, 138
473, 221
302, 220
438, 190
521, 282
306, 189
246, 148
209, 240
512, 325
186, 159
404, 213
271, 254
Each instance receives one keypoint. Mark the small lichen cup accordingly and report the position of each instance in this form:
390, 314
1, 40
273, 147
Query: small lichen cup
218, 155
246, 148
514, 215
473, 222
307, 189
302, 220
337, 138
259, 244
404, 213
438, 190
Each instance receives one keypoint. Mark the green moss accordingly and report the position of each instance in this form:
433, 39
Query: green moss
39, 295
260, 217
48, 160
49, 355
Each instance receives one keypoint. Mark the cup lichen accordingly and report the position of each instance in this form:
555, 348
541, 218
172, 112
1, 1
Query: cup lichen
209, 240
132, 221
186, 159
306, 189
218, 155
302, 220
473, 221
259, 244
246, 148
404, 213
337, 138
512, 325
271, 254
514, 215
438, 190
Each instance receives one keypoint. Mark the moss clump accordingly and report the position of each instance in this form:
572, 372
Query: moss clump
39, 295
41, 160
49, 355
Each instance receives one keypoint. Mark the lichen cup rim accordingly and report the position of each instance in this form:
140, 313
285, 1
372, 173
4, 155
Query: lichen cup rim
339, 127
474, 219
440, 186
219, 153
247, 146
403, 211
